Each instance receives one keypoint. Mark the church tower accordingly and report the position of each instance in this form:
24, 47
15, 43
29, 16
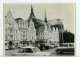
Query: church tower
9, 13
9, 23
31, 14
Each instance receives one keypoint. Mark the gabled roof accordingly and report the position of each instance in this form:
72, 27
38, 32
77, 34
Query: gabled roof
39, 24
18, 19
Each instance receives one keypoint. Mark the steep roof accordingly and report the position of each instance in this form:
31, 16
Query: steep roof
18, 19
31, 14
39, 24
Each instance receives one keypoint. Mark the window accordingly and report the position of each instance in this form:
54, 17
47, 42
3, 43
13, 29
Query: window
71, 45
36, 50
43, 37
31, 24
23, 33
26, 37
23, 23
5, 44
11, 30
32, 37
6, 37
65, 45
23, 36
21, 51
28, 50
16, 31
16, 37
6, 30
42, 33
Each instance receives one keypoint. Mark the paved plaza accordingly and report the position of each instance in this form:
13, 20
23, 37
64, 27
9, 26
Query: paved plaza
9, 52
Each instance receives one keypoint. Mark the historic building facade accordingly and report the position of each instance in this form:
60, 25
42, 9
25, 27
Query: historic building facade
9, 26
18, 30
33, 29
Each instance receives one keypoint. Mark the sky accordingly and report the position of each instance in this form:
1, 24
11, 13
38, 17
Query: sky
63, 11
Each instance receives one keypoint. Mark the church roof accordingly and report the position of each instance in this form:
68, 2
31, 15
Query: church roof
54, 22
18, 19
40, 24
31, 14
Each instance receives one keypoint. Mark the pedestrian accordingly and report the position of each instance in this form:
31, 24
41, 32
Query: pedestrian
41, 46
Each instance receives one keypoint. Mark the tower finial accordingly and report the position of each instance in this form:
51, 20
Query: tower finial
45, 16
31, 8
45, 13
32, 16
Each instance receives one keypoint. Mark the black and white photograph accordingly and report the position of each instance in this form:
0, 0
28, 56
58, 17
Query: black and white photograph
39, 29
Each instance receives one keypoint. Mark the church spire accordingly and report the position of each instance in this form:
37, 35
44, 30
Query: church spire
45, 16
31, 8
31, 14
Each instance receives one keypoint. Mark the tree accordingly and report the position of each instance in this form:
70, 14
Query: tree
68, 37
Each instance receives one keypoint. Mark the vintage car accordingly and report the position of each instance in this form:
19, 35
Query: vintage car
66, 48
30, 51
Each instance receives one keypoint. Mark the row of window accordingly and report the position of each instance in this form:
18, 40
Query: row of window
25, 37
11, 31
8, 37
23, 26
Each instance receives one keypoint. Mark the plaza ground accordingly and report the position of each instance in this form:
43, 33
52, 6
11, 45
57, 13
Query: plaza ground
52, 50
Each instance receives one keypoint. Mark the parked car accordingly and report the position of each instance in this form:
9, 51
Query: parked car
66, 48
47, 45
30, 51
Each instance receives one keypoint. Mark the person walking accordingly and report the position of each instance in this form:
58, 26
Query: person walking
41, 46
